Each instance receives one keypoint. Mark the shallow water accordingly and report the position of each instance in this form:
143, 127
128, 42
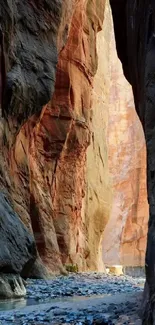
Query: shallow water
11, 304
75, 288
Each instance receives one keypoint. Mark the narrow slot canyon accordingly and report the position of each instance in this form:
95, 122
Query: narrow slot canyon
77, 162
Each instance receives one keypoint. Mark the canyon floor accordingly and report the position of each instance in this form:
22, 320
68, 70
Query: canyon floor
86, 298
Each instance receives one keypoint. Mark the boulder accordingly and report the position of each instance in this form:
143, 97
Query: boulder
116, 269
11, 286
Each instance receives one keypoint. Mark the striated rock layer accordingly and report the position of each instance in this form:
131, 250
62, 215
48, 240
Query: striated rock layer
31, 35
54, 119
28, 58
136, 49
43, 156
124, 239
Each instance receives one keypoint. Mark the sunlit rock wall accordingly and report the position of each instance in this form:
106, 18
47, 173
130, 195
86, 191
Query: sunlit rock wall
125, 235
64, 101
98, 199
45, 159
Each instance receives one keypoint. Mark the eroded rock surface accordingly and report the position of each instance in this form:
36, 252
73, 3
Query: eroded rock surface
124, 241
53, 129
47, 158
98, 190
136, 49
55, 91
29, 51
11, 286
18, 248
31, 35
17, 251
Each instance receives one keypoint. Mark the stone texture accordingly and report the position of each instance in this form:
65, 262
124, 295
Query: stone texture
116, 270
18, 250
31, 35
11, 286
137, 51
47, 157
63, 136
124, 241
98, 199
53, 129
28, 44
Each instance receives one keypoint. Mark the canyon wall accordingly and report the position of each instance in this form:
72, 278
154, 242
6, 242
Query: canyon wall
28, 59
44, 149
136, 49
124, 241
59, 104
98, 196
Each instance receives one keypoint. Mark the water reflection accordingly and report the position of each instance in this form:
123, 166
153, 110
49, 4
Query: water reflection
12, 304
8, 305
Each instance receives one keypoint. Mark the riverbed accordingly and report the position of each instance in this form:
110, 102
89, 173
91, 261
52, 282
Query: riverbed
86, 298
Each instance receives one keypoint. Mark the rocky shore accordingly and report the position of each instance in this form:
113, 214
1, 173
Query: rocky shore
88, 298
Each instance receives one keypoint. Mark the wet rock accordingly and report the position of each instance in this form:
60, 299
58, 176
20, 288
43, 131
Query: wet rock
82, 285
11, 286
111, 313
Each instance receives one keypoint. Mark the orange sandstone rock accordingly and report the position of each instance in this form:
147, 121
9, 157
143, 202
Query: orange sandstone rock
125, 235
98, 198
49, 157
55, 168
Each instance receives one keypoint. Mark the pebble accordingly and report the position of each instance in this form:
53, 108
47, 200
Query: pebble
81, 284
85, 284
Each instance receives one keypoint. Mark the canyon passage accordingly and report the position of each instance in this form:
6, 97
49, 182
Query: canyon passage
76, 144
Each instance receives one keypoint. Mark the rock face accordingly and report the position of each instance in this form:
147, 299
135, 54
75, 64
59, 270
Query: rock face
31, 35
56, 97
98, 190
44, 154
28, 56
124, 241
17, 253
17, 245
136, 49
53, 130
11, 286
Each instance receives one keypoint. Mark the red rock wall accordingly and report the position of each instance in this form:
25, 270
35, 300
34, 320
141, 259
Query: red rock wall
125, 235
48, 159
54, 164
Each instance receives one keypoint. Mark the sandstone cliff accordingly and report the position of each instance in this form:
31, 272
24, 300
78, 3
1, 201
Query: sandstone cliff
44, 154
124, 239
98, 193
136, 49
58, 80
31, 35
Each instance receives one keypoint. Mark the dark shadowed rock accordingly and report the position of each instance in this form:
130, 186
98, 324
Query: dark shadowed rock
134, 23
29, 53
38, 270
28, 59
17, 247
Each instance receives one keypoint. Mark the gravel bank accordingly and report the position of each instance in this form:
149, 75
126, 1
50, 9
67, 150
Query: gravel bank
88, 298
